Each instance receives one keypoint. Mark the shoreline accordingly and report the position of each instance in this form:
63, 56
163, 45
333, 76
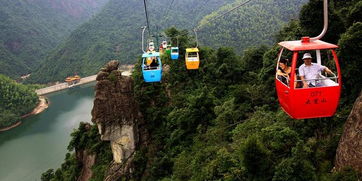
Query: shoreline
42, 106
11, 127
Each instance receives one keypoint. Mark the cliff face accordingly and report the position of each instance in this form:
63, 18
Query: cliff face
117, 116
87, 159
349, 152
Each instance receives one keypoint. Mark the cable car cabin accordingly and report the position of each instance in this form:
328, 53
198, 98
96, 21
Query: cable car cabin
152, 72
192, 58
168, 50
309, 90
174, 53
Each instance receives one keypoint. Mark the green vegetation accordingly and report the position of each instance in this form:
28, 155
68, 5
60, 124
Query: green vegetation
115, 32
86, 137
253, 24
222, 122
29, 29
15, 101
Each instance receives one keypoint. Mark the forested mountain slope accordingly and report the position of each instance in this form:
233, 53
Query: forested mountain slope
222, 122
30, 28
253, 24
115, 33
15, 101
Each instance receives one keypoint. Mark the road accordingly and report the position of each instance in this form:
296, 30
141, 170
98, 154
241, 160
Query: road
62, 86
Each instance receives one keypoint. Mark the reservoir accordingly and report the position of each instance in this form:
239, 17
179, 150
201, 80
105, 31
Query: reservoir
41, 141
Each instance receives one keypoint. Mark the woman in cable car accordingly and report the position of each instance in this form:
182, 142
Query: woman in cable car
284, 70
152, 72
192, 58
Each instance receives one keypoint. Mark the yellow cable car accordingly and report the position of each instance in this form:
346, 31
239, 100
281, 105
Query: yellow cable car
192, 58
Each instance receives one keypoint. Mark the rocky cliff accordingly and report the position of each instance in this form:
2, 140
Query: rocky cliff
87, 160
349, 152
118, 118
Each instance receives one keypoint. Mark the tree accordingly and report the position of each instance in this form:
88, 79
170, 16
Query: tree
350, 59
256, 159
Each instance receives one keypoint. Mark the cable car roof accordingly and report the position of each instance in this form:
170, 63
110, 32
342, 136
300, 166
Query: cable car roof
192, 50
308, 45
151, 54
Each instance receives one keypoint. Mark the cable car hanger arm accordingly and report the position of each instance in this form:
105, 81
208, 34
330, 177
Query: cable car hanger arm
325, 19
143, 34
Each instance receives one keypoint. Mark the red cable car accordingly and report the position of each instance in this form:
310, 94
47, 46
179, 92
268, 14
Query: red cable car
314, 100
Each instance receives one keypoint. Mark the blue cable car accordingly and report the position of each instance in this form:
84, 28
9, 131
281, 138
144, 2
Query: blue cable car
151, 67
174, 53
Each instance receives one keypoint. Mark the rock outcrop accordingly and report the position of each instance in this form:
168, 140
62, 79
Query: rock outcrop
349, 152
117, 116
87, 160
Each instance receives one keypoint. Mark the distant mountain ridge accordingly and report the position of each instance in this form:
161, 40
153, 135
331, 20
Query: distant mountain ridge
254, 23
115, 33
30, 28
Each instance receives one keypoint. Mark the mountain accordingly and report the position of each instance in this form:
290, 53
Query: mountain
16, 100
255, 23
30, 28
115, 33
222, 121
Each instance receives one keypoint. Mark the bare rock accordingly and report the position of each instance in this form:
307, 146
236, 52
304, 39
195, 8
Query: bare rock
118, 118
112, 65
349, 151
102, 75
87, 160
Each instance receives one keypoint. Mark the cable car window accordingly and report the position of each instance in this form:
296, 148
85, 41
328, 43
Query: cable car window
151, 63
284, 68
316, 68
192, 56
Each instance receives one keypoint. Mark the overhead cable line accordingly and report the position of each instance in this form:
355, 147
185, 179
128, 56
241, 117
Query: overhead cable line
202, 8
234, 8
168, 10
147, 20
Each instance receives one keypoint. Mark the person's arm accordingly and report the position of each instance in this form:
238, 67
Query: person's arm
305, 84
302, 77
279, 72
328, 71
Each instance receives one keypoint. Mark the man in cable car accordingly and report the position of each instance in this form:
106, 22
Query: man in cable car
309, 72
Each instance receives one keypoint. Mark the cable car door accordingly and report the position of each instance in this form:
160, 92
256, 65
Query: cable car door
282, 85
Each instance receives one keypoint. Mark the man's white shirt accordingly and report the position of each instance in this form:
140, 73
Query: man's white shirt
311, 72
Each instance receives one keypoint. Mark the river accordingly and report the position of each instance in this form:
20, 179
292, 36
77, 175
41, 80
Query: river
40, 142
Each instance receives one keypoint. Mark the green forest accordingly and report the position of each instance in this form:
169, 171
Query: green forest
30, 29
115, 33
250, 25
222, 122
15, 101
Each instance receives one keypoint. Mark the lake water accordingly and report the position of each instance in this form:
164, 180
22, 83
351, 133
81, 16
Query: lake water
40, 142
